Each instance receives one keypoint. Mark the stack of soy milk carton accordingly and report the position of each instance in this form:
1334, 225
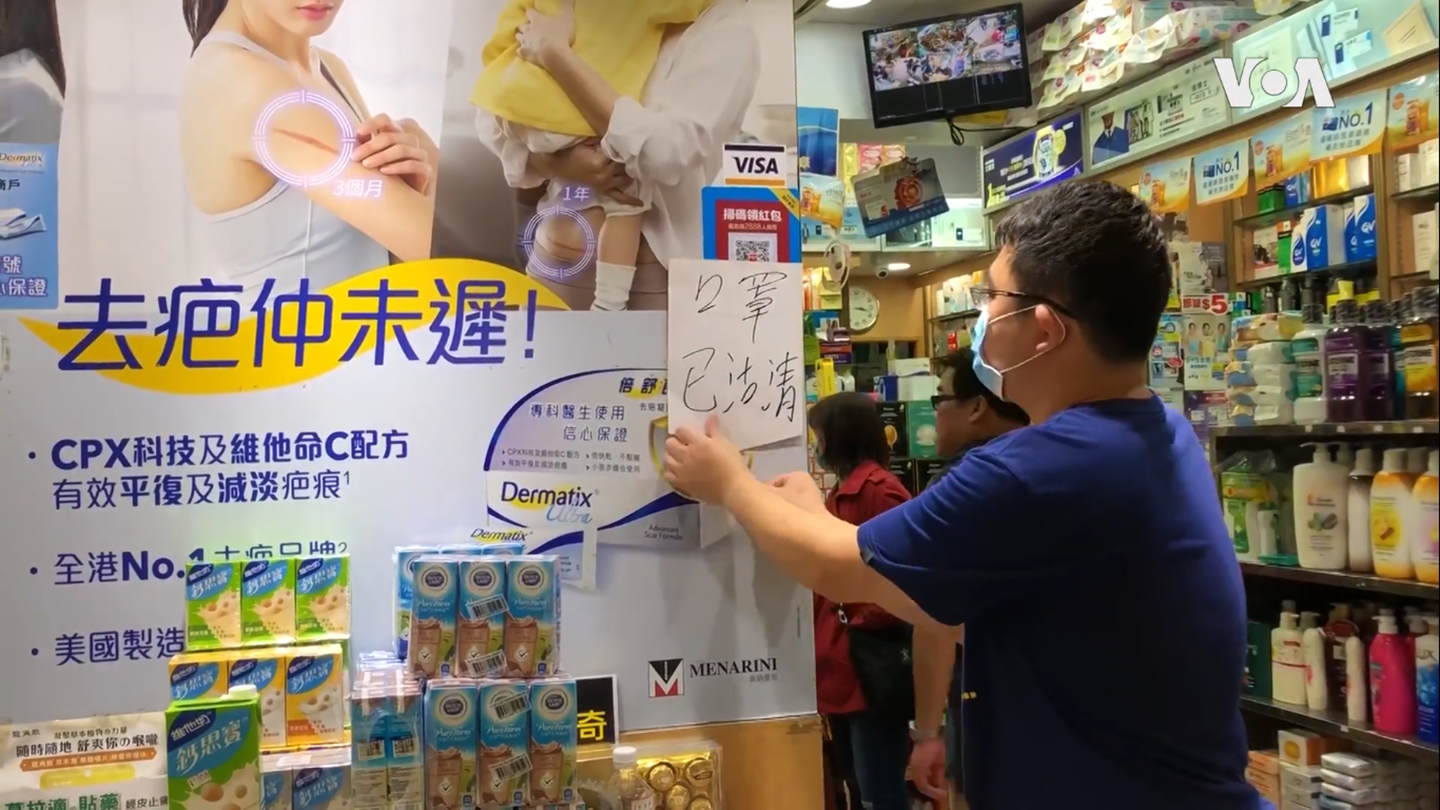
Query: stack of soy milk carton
1260, 380
257, 714
470, 709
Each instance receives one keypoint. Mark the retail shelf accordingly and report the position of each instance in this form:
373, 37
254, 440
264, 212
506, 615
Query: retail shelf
1397, 428
1345, 579
1271, 217
1338, 725
1346, 270
1430, 192
952, 316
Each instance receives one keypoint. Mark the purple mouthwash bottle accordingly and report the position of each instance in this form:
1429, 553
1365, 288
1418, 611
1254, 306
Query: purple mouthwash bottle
1347, 375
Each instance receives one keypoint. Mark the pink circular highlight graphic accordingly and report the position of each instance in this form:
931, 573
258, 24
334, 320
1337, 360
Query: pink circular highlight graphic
543, 269
342, 125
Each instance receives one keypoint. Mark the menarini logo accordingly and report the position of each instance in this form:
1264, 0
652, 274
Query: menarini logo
667, 678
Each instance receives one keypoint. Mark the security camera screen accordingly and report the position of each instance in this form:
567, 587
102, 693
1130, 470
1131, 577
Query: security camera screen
953, 66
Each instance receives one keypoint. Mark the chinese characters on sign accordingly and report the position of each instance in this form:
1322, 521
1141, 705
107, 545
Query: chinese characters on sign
184, 470
734, 351
205, 326
600, 430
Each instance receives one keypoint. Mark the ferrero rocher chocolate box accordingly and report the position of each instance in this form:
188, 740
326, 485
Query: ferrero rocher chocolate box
685, 774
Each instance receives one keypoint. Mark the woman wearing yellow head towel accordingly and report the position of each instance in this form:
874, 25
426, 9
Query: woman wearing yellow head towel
559, 101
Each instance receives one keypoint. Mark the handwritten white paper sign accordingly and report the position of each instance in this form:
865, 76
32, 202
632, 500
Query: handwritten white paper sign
735, 349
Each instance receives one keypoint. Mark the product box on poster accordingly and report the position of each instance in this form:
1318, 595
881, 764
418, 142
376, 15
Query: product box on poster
749, 223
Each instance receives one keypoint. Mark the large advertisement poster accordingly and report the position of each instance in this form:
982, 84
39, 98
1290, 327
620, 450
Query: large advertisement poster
587, 176
254, 354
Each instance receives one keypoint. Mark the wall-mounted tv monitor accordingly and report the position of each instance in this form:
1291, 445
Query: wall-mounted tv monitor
948, 66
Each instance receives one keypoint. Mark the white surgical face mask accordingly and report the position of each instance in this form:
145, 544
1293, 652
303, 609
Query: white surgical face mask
991, 377
30, 102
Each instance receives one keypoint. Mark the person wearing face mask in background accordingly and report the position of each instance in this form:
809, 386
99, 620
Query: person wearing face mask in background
1085, 557
869, 740
32, 72
967, 416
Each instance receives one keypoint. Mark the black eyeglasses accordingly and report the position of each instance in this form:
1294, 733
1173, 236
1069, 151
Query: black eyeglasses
981, 297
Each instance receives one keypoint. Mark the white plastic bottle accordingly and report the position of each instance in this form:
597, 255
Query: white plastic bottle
1312, 643
1389, 514
1357, 680
1345, 454
1287, 661
1358, 510
1322, 518
1416, 460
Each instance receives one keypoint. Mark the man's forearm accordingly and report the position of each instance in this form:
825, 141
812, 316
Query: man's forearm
934, 668
807, 546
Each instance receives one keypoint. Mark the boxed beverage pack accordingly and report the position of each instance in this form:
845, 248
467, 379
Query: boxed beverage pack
267, 602
480, 627
264, 670
198, 676
554, 736
212, 606
532, 629
314, 695
212, 750
452, 743
432, 623
504, 760
322, 597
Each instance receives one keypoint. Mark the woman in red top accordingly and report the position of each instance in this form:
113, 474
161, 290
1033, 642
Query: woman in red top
868, 749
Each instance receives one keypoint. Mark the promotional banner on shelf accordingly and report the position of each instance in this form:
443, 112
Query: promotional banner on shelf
1165, 186
1354, 126
1282, 150
1222, 173
1175, 106
1414, 112
1042, 157
365, 306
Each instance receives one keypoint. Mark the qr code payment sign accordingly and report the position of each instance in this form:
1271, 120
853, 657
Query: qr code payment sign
752, 247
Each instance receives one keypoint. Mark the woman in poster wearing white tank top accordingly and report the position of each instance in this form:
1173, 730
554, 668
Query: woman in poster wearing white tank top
258, 226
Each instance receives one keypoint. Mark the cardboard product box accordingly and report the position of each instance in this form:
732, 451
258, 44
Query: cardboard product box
920, 424
927, 468
904, 469
897, 431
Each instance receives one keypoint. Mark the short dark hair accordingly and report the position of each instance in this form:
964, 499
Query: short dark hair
850, 431
1097, 250
968, 386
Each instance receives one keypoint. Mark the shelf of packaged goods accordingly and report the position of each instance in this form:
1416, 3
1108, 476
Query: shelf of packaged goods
1268, 218
1346, 270
1411, 427
1336, 724
955, 316
1345, 579
1430, 192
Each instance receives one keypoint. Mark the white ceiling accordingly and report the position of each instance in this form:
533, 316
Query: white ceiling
878, 13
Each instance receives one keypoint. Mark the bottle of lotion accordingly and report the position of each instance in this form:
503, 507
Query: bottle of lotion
1312, 643
1322, 521
1424, 525
1389, 512
1338, 631
1287, 661
1415, 460
1392, 681
1357, 680
1358, 510
1427, 682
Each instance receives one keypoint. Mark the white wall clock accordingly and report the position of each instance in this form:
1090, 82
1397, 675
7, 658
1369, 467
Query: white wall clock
864, 308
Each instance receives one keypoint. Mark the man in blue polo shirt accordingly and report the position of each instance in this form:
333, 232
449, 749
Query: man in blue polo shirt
1086, 555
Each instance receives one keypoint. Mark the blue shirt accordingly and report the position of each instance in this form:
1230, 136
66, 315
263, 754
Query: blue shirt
1104, 612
